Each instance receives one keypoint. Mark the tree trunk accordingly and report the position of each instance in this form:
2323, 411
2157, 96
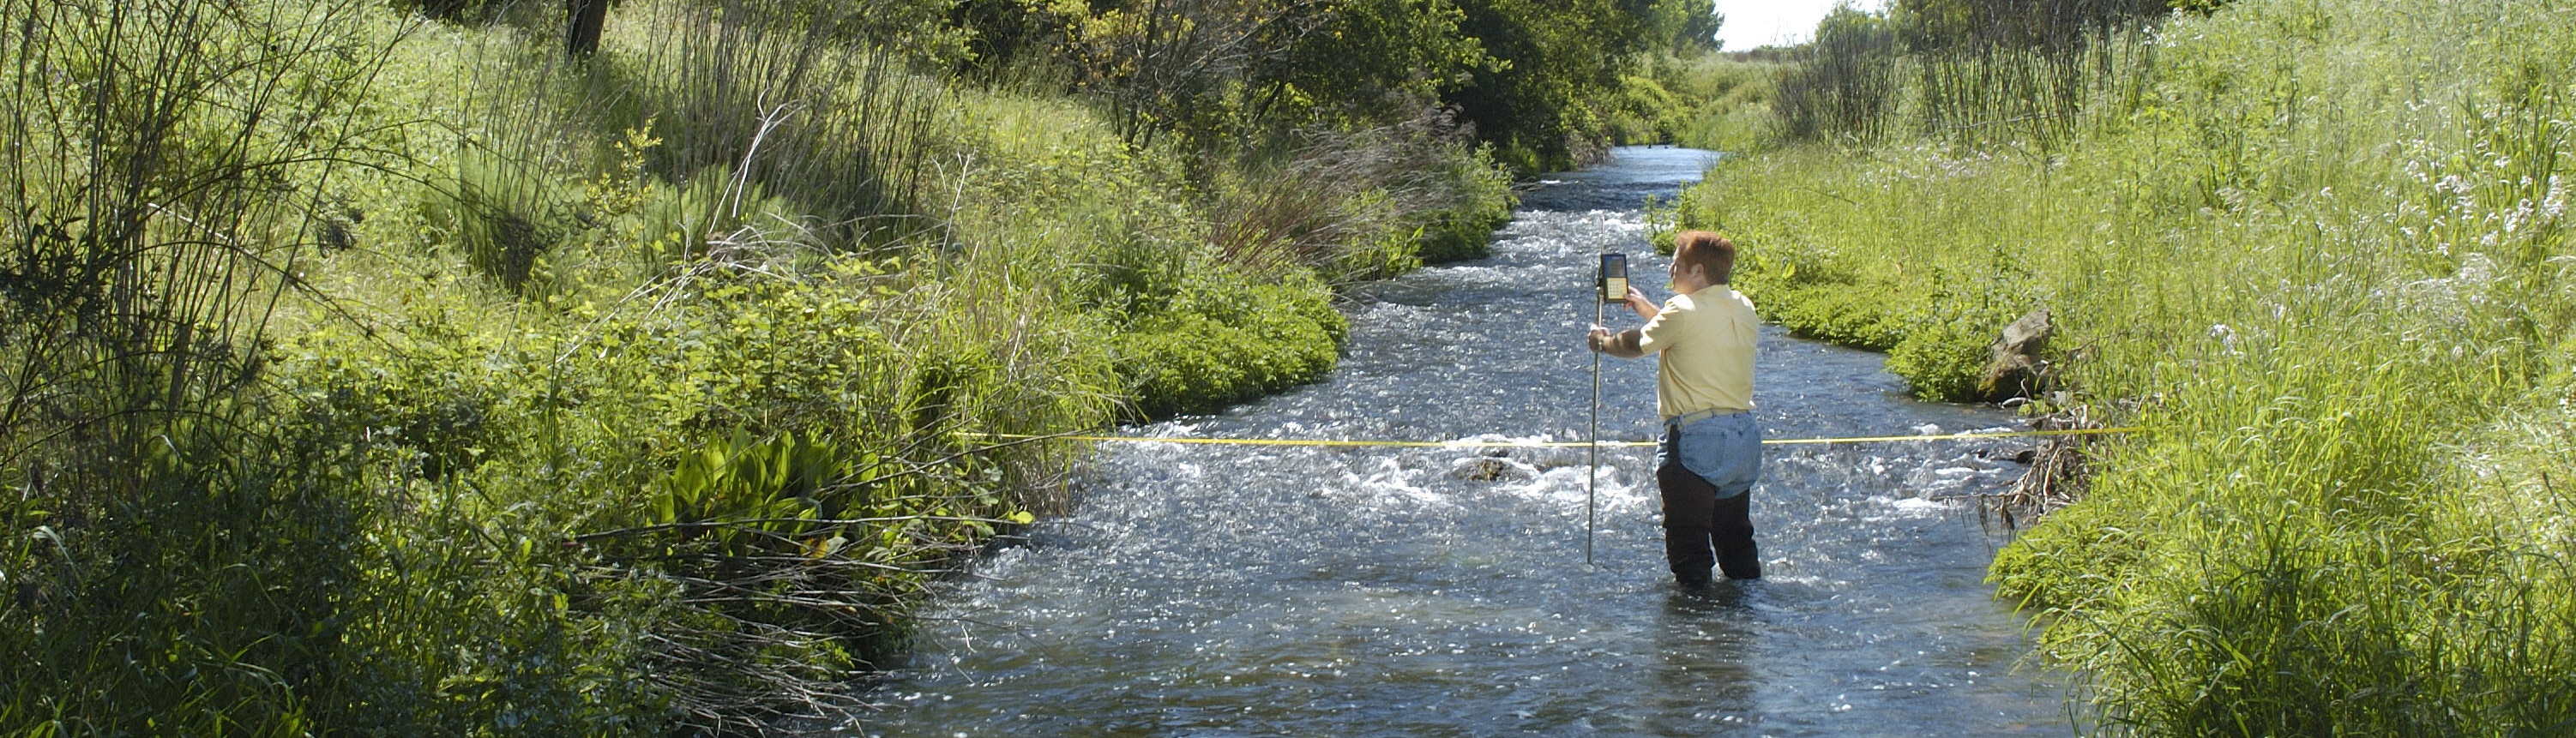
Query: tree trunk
585, 19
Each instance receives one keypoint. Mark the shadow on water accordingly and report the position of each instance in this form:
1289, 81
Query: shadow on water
1240, 591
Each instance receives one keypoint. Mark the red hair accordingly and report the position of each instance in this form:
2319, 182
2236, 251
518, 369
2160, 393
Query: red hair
1712, 253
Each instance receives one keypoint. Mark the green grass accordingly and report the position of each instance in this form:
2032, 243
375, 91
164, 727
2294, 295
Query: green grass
2319, 250
643, 394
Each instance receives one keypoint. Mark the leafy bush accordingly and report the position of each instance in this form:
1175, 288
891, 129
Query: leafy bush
1816, 293
1463, 228
1217, 348
1944, 359
1646, 113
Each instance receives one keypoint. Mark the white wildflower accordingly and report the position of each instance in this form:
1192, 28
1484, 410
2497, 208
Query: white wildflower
2476, 269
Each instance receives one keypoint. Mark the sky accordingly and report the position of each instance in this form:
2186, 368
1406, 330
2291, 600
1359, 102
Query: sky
1753, 23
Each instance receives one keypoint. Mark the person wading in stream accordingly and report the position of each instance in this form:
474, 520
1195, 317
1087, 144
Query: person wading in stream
1712, 451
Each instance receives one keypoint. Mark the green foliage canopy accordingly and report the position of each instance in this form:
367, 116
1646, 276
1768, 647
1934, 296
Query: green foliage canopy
1535, 79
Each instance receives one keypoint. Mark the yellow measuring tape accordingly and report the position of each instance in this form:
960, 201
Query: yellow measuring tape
1546, 444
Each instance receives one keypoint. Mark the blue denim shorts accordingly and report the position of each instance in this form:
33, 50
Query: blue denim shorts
1726, 450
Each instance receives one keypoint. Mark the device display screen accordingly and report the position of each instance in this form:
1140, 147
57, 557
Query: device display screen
1614, 277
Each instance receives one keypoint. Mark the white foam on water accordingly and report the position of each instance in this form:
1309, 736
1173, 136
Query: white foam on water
1916, 506
1393, 485
1564, 488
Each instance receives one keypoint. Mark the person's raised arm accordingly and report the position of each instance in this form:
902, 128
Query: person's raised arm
1627, 344
1623, 344
1637, 303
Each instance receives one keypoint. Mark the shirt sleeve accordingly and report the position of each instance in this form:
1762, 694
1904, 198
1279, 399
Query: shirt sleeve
1664, 331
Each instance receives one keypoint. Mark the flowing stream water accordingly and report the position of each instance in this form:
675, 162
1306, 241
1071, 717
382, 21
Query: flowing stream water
1257, 591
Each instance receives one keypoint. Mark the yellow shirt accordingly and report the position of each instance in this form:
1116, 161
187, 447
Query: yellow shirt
1706, 338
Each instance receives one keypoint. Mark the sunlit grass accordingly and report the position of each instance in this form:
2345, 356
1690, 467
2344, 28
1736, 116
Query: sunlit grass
2324, 260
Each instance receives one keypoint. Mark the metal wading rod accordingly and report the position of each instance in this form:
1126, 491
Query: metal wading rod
1609, 285
1592, 475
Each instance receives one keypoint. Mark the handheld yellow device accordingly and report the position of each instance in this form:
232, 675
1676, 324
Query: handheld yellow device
1613, 281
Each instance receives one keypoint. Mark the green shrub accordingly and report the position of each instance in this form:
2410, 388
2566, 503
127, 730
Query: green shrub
1645, 112
1815, 293
1463, 229
1943, 359
1379, 253
1218, 349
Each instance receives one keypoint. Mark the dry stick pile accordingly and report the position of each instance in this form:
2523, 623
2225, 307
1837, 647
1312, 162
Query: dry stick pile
2056, 477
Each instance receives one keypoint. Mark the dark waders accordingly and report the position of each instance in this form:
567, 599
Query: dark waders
1708, 518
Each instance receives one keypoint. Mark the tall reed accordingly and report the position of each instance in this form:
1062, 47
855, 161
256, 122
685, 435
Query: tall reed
777, 99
